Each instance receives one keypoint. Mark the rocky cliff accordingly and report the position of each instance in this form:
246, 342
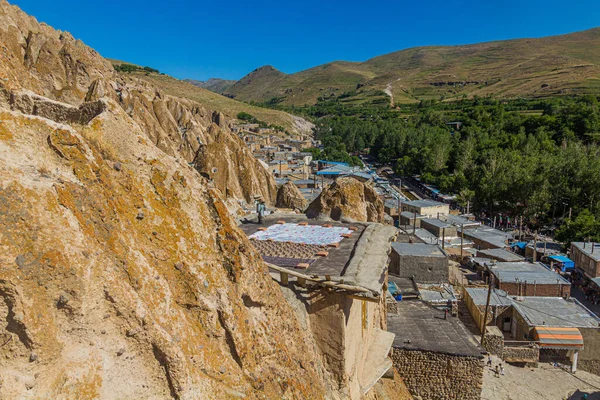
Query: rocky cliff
347, 199
53, 64
289, 196
122, 273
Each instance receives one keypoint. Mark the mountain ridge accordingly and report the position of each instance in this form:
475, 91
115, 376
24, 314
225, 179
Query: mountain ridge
529, 67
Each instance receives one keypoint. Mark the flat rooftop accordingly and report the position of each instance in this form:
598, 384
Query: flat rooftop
526, 272
407, 214
497, 298
586, 248
418, 326
556, 311
489, 235
418, 249
424, 203
436, 293
334, 264
458, 220
361, 258
540, 311
505, 255
550, 248
436, 222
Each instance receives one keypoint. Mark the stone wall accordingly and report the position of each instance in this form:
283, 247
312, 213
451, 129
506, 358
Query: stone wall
494, 340
439, 376
592, 366
527, 354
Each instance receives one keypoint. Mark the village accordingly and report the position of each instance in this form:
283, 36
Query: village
459, 307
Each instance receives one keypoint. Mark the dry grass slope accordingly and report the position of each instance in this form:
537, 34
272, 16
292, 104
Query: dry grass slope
557, 65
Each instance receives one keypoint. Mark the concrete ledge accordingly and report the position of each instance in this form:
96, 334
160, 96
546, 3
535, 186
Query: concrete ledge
377, 362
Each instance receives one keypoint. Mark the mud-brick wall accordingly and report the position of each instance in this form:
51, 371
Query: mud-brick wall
439, 376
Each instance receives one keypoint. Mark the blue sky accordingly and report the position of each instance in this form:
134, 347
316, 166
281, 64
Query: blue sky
229, 38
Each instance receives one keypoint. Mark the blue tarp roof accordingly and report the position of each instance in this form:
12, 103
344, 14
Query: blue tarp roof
520, 245
334, 162
562, 259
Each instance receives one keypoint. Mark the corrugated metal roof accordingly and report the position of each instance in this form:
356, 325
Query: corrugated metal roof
526, 272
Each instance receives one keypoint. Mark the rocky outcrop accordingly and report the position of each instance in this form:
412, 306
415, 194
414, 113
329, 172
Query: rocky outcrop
122, 272
347, 199
37, 61
289, 196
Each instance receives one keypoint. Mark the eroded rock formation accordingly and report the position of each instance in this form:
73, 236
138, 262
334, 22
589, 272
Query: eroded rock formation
289, 196
347, 199
122, 272
37, 61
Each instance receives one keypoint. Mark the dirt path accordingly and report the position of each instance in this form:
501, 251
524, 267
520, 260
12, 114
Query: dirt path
545, 382
388, 90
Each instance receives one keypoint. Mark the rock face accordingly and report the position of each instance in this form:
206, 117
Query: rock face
122, 272
347, 199
52, 64
289, 196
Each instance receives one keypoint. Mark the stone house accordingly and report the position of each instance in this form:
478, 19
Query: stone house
436, 356
424, 263
428, 208
438, 228
564, 329
587, 258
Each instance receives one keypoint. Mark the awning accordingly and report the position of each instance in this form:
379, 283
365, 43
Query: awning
558, 338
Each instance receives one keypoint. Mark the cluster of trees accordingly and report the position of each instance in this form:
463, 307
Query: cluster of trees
539, 159
135, 68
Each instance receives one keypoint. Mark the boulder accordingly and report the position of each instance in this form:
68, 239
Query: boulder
348, 200
289, 196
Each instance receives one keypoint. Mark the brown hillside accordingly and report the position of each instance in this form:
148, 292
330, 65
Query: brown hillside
557, 65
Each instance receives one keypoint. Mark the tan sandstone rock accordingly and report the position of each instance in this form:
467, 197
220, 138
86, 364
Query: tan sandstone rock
347, 199
289, 196
122, 272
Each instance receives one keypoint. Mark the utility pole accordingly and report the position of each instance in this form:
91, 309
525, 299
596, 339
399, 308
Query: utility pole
443, 238
468, 204
487, 306
414, 222
462, 238
535, 246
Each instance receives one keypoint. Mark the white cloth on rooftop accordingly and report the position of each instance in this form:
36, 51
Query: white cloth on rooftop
309, 234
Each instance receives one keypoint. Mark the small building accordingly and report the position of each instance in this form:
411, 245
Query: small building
410, 218
501, 255
424, 263
438, 228
463, 221
435, 354
545, 248
562, 263
564, 329
428, 208
488, 238
391, 207
529, 279
586, 256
